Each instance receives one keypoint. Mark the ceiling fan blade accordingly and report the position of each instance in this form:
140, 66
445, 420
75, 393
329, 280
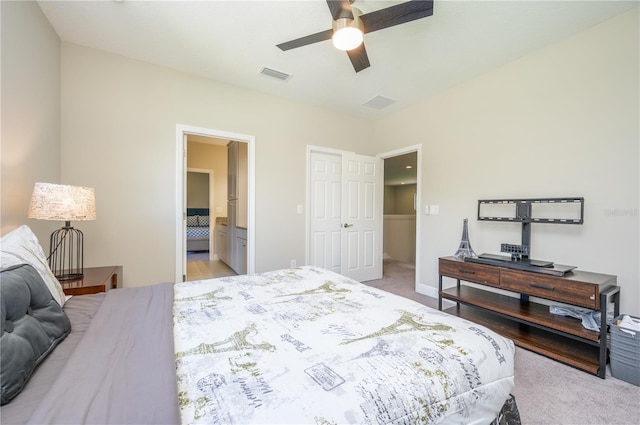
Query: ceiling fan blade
396, 15
359, 58
306, 40
340, 9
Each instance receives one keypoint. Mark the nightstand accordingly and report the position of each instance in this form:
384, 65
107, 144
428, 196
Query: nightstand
95, 279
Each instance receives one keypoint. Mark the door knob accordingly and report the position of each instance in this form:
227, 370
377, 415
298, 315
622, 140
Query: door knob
345, 225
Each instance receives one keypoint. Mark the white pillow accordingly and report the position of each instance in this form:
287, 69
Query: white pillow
21, 246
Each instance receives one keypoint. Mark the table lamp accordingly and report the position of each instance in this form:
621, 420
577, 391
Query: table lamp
64, 203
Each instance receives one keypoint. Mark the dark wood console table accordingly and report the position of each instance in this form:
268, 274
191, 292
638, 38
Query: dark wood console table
529, 324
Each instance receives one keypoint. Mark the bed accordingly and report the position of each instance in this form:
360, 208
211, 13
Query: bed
198, 229
300, 345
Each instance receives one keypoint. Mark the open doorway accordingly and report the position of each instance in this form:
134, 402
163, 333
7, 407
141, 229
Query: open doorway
204, 211
208, 151
401, 224
201, 212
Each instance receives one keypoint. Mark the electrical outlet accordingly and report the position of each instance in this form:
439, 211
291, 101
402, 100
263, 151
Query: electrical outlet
293, 263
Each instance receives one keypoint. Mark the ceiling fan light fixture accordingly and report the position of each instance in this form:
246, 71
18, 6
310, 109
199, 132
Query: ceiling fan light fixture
347, 38
348, 33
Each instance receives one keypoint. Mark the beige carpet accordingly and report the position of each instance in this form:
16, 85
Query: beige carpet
399, 278
547, 392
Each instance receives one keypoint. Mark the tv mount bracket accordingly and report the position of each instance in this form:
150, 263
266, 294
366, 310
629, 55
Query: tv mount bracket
524, 215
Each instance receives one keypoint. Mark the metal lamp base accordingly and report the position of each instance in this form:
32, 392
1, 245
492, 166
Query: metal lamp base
66, 258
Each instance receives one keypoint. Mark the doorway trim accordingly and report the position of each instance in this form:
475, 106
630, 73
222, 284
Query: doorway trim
182, 131
421, 288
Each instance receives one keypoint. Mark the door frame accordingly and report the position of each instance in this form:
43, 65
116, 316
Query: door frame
421, 288
182, 131
211, 175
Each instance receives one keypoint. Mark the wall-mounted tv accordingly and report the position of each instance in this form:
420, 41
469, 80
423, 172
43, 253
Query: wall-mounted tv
528, 211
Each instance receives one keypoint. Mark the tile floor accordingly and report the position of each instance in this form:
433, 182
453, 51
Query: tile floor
199, 267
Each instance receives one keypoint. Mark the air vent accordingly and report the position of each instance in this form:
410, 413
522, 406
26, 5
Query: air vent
279, 75
379, 102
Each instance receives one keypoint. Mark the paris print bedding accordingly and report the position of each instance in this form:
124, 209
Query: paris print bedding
308, 346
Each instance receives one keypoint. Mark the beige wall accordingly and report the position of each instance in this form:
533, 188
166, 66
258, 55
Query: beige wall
400, 237
206, 156
119, 121
30, 149
562, 121
197, 190
399, 199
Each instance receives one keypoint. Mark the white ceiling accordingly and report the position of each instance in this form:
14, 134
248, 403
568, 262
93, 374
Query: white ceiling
230, 41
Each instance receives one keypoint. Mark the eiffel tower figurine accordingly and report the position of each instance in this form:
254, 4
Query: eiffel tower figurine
465, 250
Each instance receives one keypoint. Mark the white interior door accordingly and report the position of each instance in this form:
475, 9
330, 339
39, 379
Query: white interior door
362, 209
345, 213
325, 211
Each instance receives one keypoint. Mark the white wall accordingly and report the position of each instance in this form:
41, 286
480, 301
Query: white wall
119, 121
30, 149
563, 121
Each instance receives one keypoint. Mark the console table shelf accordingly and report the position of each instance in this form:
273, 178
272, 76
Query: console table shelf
579, 355
529, 324
530, 313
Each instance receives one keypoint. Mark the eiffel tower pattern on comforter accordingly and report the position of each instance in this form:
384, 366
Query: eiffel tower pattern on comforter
307, 345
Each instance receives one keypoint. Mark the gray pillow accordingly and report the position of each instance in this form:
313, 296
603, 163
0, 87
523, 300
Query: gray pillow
33, 323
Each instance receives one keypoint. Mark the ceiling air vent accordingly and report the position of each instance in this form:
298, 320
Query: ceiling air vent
279, 75
379, 102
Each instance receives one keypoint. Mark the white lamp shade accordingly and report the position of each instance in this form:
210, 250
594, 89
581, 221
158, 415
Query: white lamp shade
62, 202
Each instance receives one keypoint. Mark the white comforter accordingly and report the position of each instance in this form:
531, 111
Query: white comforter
310, 346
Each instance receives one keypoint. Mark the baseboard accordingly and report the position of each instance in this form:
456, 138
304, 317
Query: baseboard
427, 290
432, 292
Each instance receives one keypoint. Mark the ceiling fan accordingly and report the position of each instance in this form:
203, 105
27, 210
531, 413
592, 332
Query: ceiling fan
348, 19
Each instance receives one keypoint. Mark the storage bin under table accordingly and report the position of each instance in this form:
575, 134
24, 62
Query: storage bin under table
625, 353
